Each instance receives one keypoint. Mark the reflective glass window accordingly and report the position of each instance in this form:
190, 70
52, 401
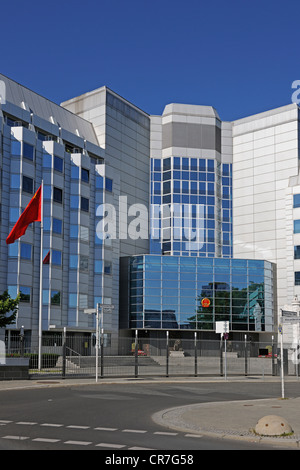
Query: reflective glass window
26, 250
55, 297
56, 257
57, 195
28, 151
57, 226
25, 293
296, 200
58, 164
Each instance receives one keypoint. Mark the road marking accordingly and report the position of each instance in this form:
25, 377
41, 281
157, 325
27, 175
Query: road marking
27, 423
162, 433
43, 439
3, 421
105, 429
78, 443
134, 430
113, 446
139, 448
74, 426
193, 435
52, 425
18, 438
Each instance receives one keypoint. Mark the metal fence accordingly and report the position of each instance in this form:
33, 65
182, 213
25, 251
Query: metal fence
77, 356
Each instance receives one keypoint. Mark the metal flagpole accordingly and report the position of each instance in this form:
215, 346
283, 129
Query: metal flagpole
41, 280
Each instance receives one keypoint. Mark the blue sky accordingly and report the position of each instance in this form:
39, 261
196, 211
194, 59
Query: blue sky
239, 56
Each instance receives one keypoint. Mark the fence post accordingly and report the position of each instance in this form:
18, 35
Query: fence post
64, 351
195, 344
246, 356
102, 353
221, 356
167, 355
136, 354
274, 371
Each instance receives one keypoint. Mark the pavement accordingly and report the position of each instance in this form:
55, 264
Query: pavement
224, 420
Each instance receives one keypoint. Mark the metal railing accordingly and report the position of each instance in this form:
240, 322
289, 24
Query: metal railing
141, 357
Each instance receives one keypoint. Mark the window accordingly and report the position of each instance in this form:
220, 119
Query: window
83, 300
297, 252
47, 160
57, 226
85, 175
108, 184
84, 204
296, 200
58, 164
107, 267
84, 263
73, 261
27, 185
28, 151
57, 195
74, 172
74, 202
14, 214
25, 294
296, 226
73, 300
26, 251
14, 181
15, 147
297, 278
98, 267
12, 291
55, 297
56, 257
13, 250
84, 233
74, 231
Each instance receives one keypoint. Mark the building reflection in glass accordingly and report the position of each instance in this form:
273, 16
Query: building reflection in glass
167, 293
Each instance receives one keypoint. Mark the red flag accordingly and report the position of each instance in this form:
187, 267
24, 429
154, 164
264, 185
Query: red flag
32, 213
46, 260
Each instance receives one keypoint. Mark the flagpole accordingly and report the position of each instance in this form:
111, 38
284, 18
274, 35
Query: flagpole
41, 279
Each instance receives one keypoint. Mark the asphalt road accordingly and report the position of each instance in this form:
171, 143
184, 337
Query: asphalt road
117, 417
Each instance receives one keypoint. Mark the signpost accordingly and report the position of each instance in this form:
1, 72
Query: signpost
222, 327
90, 311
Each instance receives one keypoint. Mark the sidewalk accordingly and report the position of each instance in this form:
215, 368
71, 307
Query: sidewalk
225, 420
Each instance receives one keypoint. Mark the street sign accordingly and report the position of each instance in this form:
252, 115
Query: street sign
90, 310
222, 327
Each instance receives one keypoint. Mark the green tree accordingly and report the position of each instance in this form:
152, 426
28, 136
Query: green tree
8, 309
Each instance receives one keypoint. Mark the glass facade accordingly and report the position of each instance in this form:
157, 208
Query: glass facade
191, 200
179, 292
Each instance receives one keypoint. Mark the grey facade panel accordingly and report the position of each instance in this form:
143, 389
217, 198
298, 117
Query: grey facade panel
188, 135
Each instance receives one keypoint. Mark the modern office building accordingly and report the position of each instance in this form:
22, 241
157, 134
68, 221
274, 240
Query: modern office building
150, 214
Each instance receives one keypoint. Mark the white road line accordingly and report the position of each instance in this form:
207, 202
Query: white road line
52, 425
3, 421
113, 446
74, 426
27, 423
134, 430
162, 433
18, 438
78, 443
43, 439
105, 429
193, 435
139, 448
